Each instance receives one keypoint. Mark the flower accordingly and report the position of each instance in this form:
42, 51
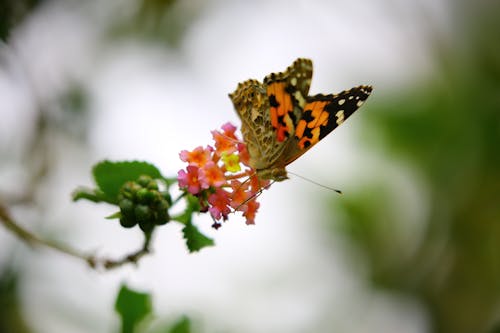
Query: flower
240, 194
226, 142
198, 156
250, 211
219, 202
189, 179
231, 162
243, 153
213, 177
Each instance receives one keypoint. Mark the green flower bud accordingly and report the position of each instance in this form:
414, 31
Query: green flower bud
167, 197
163, 216
146, 226
127, 222
143, 196
142, 213
152, 185
144, 180
126, 208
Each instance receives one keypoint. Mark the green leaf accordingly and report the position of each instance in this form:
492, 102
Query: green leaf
133, 307
110, 176
94, 195
195, 240
183, 325
193, 206
113, 216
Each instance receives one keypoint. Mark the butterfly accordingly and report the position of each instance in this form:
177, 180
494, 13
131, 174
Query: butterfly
280, 121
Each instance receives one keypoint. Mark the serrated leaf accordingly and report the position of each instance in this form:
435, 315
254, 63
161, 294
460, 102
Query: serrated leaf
110, 176
195, 240
94, 195
193, 203
183, 325
113, 216
133, 307
192, 206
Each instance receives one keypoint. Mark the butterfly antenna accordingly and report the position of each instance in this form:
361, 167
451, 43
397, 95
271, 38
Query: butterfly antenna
256, 195
316, 183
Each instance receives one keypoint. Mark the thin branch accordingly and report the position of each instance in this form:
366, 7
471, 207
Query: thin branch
130, 258
92, 260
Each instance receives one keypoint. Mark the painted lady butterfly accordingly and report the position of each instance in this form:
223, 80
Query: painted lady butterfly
280, 121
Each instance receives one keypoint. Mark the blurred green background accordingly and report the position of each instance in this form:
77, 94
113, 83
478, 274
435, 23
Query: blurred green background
446, 131
424, 225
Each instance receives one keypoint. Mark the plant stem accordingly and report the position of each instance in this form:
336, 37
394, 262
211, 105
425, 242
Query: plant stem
92, 260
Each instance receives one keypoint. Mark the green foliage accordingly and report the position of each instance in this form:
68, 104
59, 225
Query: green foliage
183, 325
447, 130
110, 176
11, 316
133, 307
192, 206
195, 240
142, 203
134, 187
12, 13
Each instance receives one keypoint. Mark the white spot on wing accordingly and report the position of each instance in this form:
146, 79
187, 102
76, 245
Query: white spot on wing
340, 117
300, 99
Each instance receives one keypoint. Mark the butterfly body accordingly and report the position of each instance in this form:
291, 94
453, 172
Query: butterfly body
280, 121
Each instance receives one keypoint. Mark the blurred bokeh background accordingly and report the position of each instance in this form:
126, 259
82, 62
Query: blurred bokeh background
413, 244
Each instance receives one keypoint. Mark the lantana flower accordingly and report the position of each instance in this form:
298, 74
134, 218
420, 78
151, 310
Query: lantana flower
214, 175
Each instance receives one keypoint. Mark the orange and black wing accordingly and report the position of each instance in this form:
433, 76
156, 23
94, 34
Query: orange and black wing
287, 93
322, 114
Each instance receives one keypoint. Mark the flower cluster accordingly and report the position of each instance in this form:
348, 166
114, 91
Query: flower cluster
213, 175
141, 202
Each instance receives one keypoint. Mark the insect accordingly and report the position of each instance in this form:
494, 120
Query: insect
280, 121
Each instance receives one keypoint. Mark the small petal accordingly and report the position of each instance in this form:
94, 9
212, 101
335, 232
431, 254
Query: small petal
240, 195
231, 162
244, 155
219, 201
229, 130
198, 156
211, 175
224, 143
189, 180
251, 211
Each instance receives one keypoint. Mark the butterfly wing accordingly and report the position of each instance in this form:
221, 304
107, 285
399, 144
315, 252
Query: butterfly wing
287, 93
269, 111
321, 115
252, 106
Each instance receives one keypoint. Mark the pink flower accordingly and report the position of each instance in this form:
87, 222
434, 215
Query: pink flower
189, 179
198, 157
211, 175
251, 210
227, 141
219, 202
243, 153
229, 130
240, 194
